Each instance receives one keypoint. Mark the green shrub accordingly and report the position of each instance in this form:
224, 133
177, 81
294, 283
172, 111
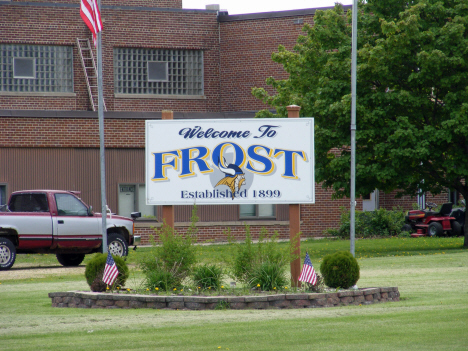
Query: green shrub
269, 275
340, 270
208, 276
378, 223
160, 278
95, 270
170, 262
263, 262
244, 257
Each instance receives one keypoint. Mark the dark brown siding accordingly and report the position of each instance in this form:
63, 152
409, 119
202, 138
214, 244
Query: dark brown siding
79, 169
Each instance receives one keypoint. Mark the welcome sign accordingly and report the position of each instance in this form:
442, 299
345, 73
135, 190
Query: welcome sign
231, 161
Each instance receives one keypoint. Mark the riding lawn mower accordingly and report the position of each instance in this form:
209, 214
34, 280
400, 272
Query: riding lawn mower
432, 223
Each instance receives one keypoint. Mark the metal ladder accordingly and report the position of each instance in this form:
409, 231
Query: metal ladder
90, 71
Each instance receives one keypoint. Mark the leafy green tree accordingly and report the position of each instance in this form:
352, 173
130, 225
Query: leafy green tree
412, 95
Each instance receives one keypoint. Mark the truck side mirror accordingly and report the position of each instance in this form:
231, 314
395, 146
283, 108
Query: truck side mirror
90, 211
135, 215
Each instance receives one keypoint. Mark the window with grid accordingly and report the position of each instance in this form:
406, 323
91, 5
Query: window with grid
158, 71
36, 68
262, 211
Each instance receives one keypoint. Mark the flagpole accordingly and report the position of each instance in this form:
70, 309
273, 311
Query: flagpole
101, 140
353, 126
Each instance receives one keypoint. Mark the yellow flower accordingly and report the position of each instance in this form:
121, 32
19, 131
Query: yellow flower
258, 285
222, 286
128, 289
107, 288
175, 289
156, 288
274, 288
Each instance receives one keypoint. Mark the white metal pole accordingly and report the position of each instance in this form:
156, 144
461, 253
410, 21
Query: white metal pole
101, 141
353, 127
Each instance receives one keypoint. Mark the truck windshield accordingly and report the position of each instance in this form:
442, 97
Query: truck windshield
68, 205
29, 203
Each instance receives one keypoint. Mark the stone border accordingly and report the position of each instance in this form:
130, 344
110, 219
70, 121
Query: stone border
80, 299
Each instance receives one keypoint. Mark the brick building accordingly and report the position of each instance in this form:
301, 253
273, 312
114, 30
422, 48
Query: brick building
202, 64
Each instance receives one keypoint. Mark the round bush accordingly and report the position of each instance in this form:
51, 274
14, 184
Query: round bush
95, 270
340, 270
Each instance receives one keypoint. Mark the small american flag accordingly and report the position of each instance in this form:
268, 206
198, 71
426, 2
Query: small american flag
308, 272
110, 272
89, 12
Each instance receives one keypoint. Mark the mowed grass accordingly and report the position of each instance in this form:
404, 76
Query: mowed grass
431, 275
364, 248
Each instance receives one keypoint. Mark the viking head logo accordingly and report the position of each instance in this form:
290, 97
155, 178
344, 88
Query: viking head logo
234, 176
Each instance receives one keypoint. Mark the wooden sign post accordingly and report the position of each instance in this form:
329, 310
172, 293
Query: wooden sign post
168, 210
295, 222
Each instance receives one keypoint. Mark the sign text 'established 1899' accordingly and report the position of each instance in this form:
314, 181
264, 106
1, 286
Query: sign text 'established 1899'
230, 161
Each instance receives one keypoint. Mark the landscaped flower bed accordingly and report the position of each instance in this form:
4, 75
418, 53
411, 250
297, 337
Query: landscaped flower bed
82, 299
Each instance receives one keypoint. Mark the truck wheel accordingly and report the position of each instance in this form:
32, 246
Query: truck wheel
117, 245
456, 229
70, 260
435, 228
7, 254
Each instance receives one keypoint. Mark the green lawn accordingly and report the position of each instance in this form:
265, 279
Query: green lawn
431, 275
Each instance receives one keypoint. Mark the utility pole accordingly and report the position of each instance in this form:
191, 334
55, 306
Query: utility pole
353, 127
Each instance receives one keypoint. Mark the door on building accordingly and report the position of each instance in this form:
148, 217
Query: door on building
371, 201
126, 199
132, 198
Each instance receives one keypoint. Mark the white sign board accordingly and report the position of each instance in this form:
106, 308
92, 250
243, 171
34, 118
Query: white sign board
232, 161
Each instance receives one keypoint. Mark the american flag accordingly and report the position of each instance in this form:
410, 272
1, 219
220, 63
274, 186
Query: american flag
308, 272
90, 14
110, 272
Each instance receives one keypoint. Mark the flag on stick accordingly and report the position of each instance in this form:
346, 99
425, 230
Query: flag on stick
90, 14
110, 272
308, 272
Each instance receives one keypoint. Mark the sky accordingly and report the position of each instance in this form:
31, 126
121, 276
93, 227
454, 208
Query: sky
235, 7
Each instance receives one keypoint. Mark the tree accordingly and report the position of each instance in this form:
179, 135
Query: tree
412, 95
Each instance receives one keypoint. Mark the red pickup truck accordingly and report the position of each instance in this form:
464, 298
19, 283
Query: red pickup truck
55, 221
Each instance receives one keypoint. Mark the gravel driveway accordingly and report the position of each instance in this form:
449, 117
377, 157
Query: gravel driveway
27, 272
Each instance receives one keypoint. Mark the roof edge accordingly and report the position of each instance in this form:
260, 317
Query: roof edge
275, 14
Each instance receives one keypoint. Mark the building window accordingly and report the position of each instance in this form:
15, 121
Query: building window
132, 198
2, 195
158, 71
453, 197
36, 68
263, 211
24, 68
